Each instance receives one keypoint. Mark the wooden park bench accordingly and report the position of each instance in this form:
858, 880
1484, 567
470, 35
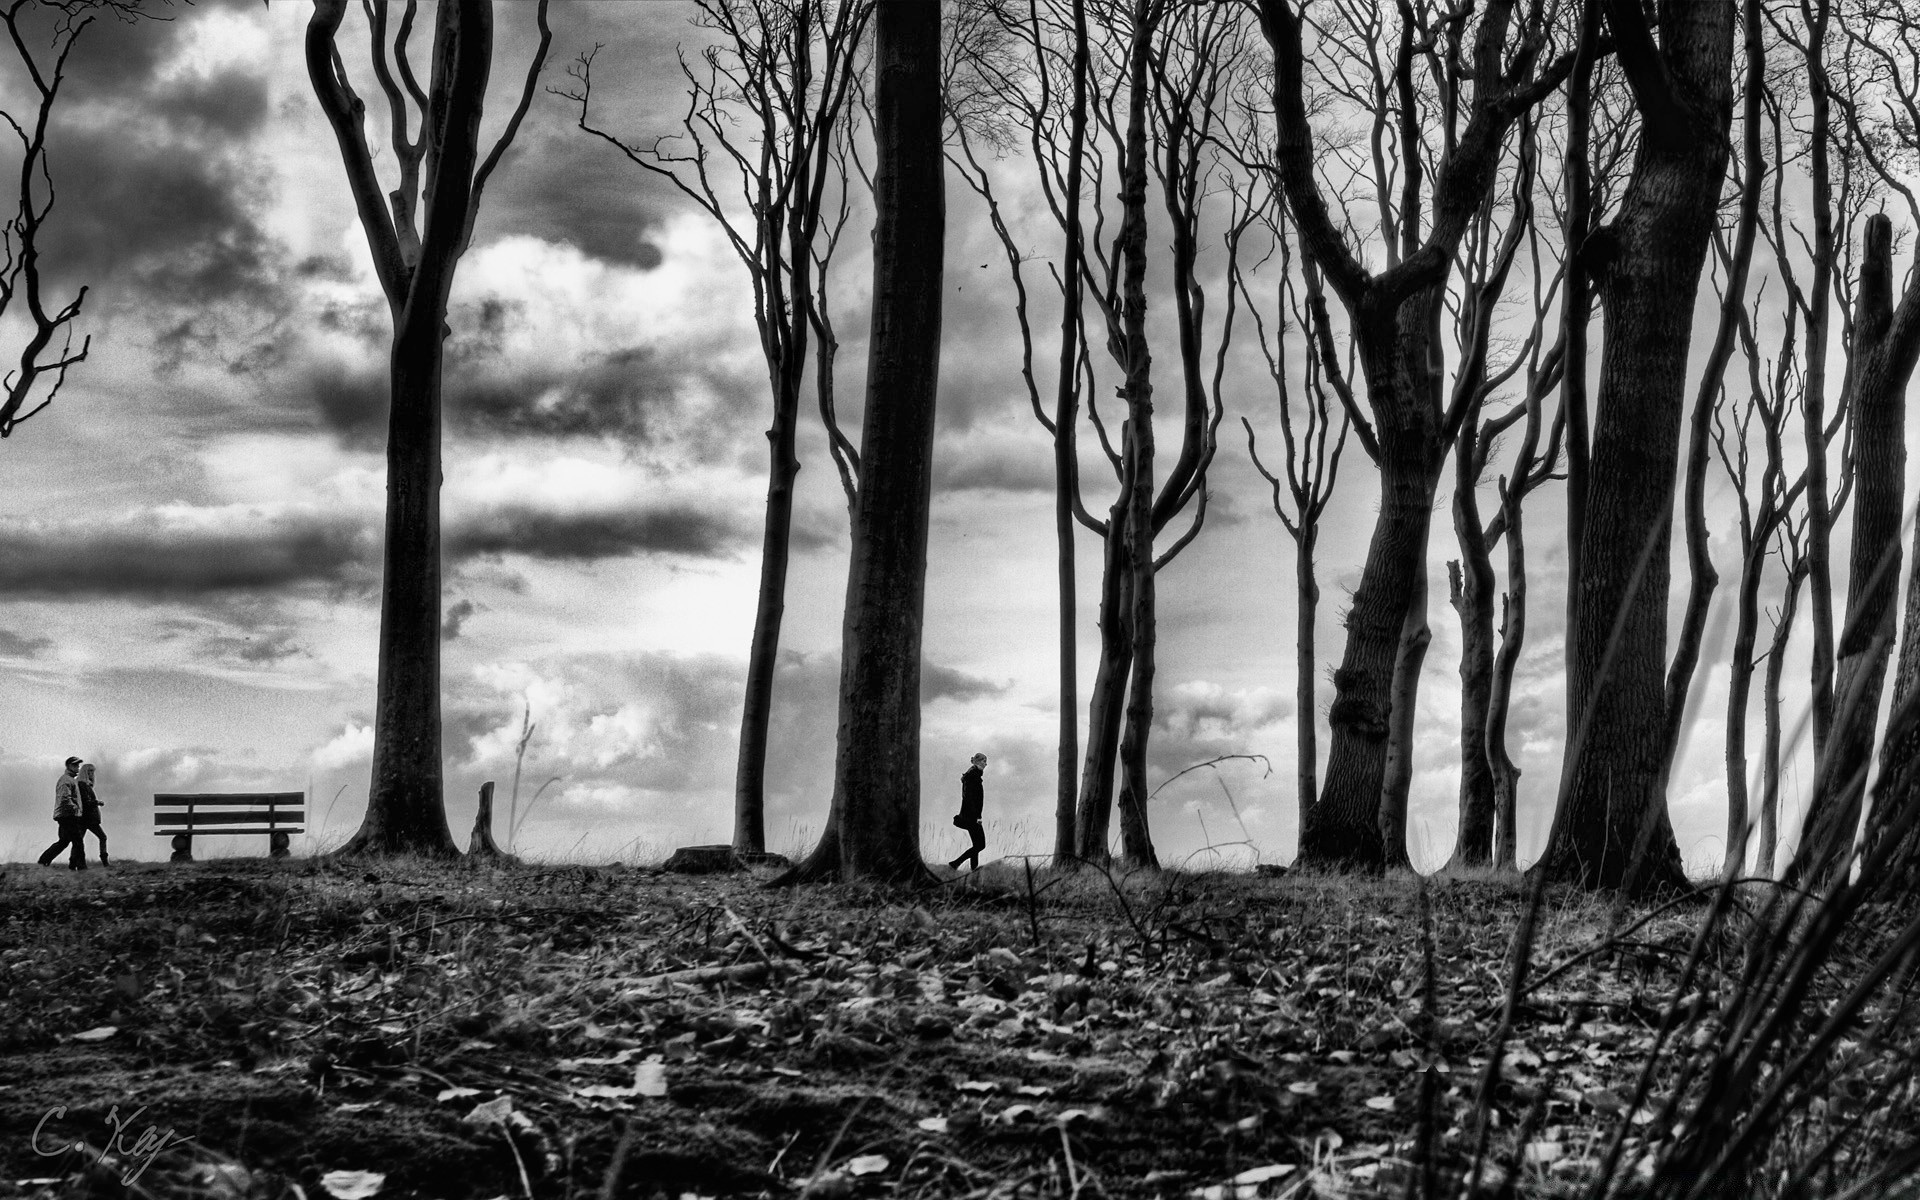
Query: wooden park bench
181, 815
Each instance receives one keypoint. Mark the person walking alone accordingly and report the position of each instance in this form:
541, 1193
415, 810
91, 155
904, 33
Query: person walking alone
66, 815
90, 811
973, 795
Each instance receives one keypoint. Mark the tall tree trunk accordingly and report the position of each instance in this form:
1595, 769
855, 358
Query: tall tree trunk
1746, 629
763, 656
1105, 704
1513, 636
1813, 391
1611, 829
1883, 362
406, 811
1470, 587
1342, 830
1305, 702
1576, 315
1770, 701
1396, 780
1137, 448
1065, 465
873, 826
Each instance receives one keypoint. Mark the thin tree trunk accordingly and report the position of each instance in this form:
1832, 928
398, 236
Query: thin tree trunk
1513, 635
1306, 703
1746, 630
763, 656
1137, 447
1576, 315
1770, 700
1105, 705
1813, 393
1883, 361
1611, 829
1065, 466
1470, 587
1396, 781
873, 825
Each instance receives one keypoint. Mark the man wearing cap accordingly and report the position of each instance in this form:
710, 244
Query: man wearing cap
66, 815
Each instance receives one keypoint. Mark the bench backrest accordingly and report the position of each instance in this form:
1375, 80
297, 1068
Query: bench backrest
224, 812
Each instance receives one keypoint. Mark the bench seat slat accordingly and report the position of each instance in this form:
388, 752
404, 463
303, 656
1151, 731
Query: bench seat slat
226, 832
288, 816
200, 799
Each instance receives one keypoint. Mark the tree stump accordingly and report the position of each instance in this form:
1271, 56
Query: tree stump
704, 860
481, 844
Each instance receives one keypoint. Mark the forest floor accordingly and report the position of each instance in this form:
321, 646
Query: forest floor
243, 1028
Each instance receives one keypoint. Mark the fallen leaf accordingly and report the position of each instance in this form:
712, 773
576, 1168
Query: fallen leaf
650, 1078
352, 1185
1246, 1184
1380, 1103
980, 1087
868, 1164
456, 1093
1304, 1088
497, 1111
932, 1124
1542, 1153
98, 1033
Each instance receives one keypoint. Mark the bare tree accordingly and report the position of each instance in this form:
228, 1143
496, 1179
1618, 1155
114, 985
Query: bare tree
1488, 775
42, 366
1012, 57
1311, 468
1484, 76
1612, 812
767, 114
415, 255
873, 827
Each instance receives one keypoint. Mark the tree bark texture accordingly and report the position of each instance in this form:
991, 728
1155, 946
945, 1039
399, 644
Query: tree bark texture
1513, 636
873, 825
1612, 814
1137, 447
1884, 350
1065, 464
770, 606
1771, 764
1105, 701
1470, 588
1306, 701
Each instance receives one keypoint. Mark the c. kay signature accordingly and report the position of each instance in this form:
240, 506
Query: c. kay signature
139, 1156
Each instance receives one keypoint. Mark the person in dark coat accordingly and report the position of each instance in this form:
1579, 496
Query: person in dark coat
973, 795
90, 810
66, 815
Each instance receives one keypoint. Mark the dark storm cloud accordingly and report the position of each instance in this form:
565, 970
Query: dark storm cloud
172, 221
583, 536
232, 104
14, 645
560, 185
150, 557
455, 619
156, 190
629, 394
623, 394
948, 683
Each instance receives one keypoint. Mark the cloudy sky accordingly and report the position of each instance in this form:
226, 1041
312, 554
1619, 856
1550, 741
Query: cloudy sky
189, 551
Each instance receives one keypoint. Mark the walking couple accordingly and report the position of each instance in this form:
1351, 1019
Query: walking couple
76, 810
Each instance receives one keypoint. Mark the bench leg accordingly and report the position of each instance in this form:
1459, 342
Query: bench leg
182, 848
277, 844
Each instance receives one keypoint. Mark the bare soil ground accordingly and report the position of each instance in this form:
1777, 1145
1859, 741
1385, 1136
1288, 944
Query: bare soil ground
328, 1028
